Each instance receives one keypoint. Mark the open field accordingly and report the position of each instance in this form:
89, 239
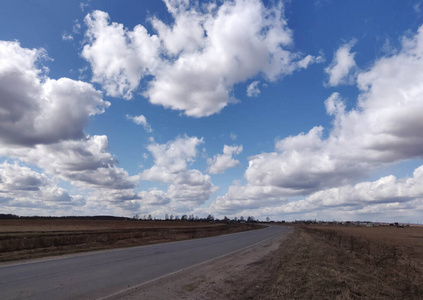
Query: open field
313, 262
44, 225
336, 262
34, 238
407, 241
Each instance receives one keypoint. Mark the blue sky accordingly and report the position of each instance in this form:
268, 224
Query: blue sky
281, 109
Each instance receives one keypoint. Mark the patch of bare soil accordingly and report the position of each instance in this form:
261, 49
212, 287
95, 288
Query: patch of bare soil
242, 275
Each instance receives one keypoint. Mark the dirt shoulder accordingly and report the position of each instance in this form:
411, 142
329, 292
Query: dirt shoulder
241, 275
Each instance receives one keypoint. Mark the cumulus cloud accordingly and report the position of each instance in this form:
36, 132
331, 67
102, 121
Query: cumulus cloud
36, 109
42, 123
84, 163
384, 128
154, 197
140, 120
342, 70
220, 162
67, 37
21, 186
118, 197
119, 58
308, 60
387, 197
386, 190
83, 5
171, 160
253, 90
242, 197
195, 61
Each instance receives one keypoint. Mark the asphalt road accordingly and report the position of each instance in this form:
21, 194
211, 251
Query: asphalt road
100, 274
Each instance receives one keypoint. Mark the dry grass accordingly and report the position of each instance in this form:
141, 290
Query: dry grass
408, 240
23, 239
32, 225
349, 263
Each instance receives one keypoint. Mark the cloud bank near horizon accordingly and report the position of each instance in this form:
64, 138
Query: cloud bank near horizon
383, 129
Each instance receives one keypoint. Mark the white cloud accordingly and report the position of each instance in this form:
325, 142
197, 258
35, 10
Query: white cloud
221, 162
240, 197
196, 61
140, 120
309, 59
84, 163
42, 123
67, 37
186, 34
115, 196
36, 109
342, 70
187, 187
83, 5
76, 28
253, 90
154, 197
385, 198
20, 187
119, 58
384, 128
171, 158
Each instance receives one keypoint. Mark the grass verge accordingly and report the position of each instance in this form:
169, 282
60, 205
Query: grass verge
339, 263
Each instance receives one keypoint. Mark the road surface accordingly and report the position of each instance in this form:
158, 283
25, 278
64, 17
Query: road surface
100, 274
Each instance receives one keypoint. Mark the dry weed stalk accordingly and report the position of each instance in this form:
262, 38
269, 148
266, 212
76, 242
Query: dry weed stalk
390, 263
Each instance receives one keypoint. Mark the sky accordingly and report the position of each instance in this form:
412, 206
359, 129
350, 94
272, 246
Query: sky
292, 110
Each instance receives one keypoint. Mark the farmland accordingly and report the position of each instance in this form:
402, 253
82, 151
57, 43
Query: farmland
34, 238
354, 262
313, 262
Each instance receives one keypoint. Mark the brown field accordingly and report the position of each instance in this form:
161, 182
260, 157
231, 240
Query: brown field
32, 225
407, 240
34, 238
338, 262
